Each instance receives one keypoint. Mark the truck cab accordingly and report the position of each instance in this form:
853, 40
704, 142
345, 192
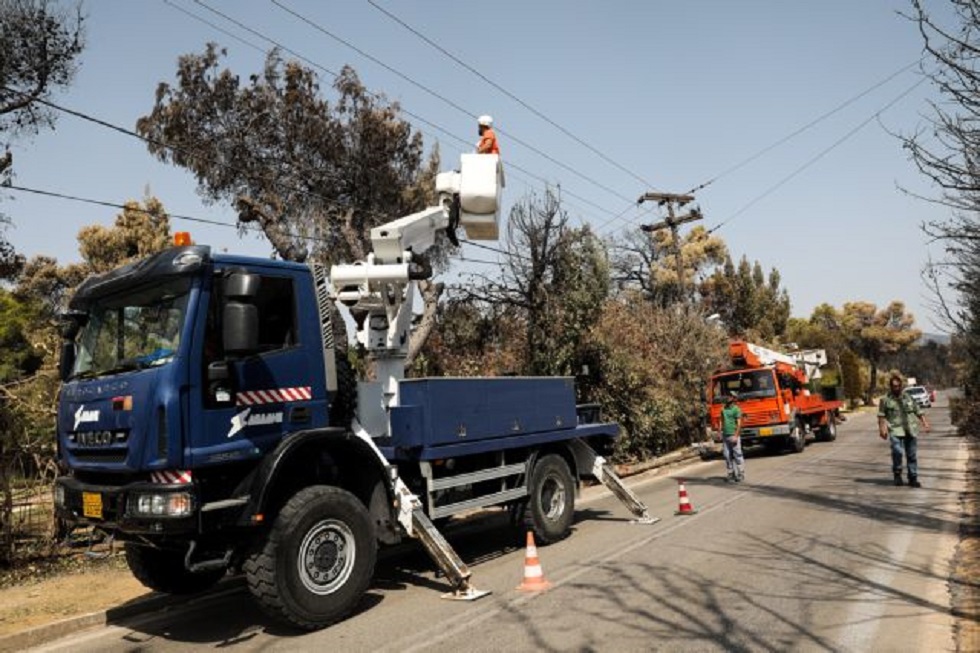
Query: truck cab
153, 406
773, 390
761, 398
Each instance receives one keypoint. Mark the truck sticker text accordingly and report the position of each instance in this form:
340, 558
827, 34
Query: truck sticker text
82, 416
245, 418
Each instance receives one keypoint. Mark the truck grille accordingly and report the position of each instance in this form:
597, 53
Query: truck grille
100, 455
759, 419
99, 446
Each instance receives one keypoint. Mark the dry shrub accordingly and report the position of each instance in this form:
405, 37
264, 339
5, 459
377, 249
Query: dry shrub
651, 366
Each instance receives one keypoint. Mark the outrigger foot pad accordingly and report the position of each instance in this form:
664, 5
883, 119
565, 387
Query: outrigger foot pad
465, 594
645, 519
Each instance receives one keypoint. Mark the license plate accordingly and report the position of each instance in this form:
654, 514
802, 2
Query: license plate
92, 505
765, 431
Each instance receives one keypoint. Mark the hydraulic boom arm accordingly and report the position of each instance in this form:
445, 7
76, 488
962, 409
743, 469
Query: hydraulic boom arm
380, 291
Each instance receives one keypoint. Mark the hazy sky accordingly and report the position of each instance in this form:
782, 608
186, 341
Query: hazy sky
674, 93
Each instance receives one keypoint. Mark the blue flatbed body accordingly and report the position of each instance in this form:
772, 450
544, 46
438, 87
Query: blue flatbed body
451, 417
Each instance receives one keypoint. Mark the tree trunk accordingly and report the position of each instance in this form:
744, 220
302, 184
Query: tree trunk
430, 292
872, 385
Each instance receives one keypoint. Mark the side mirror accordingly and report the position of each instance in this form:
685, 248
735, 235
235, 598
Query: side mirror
71, 323
242, 285
240, 335
240, 317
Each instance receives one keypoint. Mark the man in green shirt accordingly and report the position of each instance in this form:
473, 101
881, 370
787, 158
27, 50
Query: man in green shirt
731, 428
896, 411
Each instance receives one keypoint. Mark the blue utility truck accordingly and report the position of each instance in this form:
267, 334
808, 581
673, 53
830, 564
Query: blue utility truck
210, 421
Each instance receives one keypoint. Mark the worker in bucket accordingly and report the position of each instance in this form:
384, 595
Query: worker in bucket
488, 139
731, 429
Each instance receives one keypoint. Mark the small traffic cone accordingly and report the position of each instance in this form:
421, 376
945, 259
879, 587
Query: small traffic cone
533, 576
685, 507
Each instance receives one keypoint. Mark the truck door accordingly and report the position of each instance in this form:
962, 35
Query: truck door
248, 404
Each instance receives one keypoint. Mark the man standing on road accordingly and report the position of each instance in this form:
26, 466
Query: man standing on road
895, 423
731, 429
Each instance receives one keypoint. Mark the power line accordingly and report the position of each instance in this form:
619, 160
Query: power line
115, 205
128, 132
744, 162
334, 74
480, 261
310, 62
619, 216
439, 96
190, 13
816, 157
503, 90
221, 223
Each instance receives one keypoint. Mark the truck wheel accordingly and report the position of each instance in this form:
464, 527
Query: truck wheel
828, 432
551, 502
163, 570
796, 440
316, 562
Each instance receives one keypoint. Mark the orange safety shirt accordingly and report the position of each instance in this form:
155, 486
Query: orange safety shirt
488, 143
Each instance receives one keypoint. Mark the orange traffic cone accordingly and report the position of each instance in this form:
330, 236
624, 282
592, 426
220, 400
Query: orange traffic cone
533, 576
685, 507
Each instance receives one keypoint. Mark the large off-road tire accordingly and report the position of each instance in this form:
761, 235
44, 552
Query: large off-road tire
317, 561
828, 432
163, 570
550, 506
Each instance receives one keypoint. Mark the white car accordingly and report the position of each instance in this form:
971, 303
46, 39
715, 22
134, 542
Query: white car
920, 395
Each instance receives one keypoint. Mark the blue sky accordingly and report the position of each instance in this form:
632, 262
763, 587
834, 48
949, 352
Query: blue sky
673, 92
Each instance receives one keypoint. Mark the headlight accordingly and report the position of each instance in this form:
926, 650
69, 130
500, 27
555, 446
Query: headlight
161, 504
59, 496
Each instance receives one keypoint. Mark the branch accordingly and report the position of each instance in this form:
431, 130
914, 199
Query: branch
249, 211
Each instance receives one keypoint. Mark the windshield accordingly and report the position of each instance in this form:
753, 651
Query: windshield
747, 385
133, 330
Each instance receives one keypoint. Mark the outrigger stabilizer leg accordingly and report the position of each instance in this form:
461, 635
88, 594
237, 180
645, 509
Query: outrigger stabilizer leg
605, 474
417, 524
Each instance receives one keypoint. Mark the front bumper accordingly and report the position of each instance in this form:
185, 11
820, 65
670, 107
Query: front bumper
111, 507
758, 434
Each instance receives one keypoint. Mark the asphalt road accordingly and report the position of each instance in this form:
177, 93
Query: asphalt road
816, 551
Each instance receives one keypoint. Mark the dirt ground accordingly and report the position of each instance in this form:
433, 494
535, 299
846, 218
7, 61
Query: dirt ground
67, 592
28, 601
966, 563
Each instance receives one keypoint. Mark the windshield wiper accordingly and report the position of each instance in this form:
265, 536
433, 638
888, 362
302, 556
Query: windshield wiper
126, 365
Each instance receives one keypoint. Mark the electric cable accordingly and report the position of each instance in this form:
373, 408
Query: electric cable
744, 162
116, 205
407, 112
438, 96
510, 95
817, 157
128, 132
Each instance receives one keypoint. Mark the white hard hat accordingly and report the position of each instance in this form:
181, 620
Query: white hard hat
485, 120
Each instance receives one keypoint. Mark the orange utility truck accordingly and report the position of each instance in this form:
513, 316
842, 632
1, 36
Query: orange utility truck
773, 390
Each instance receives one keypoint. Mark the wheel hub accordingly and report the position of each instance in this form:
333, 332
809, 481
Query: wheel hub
552, 498
326, 556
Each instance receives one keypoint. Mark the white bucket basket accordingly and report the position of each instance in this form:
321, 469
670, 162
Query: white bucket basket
481, 184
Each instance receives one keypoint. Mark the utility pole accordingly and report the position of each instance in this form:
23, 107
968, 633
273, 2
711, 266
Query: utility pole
670, 200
